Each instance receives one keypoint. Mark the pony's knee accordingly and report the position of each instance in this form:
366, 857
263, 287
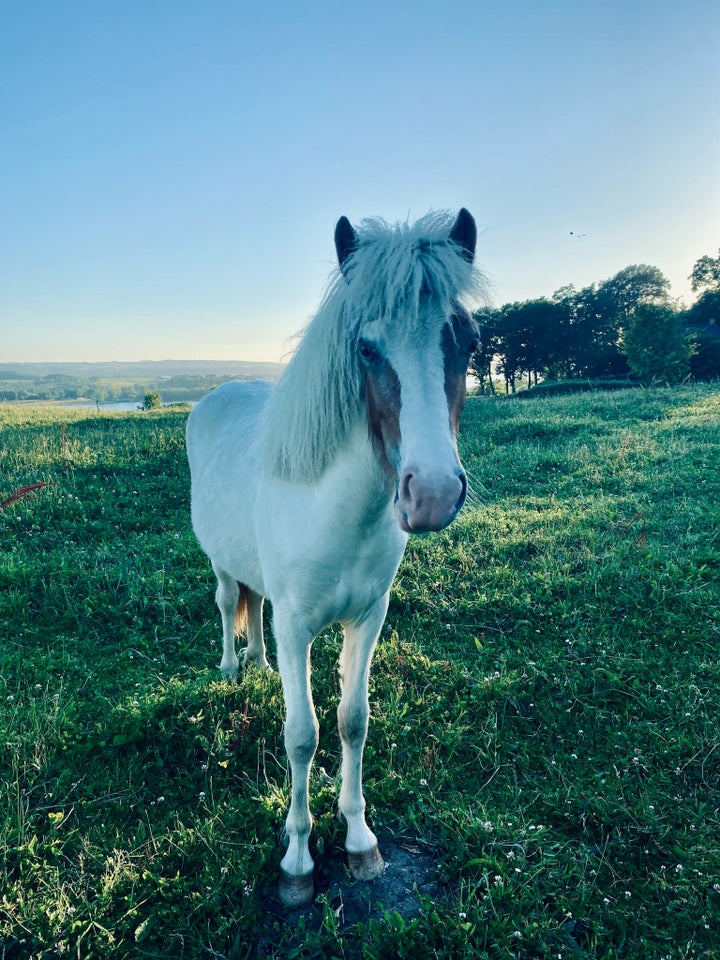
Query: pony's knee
301, 740
353, 723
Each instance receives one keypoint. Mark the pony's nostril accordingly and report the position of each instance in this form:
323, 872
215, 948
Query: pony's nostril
405, 482
463, 489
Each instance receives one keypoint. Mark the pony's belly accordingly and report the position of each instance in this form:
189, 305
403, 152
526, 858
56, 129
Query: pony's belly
231, 546
243, 566
225, 528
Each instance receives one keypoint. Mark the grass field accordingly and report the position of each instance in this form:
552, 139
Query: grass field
545, 700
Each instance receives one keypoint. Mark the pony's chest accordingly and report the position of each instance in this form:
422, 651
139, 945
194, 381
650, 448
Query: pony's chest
365, 570
333, 548
343, 587
331, 571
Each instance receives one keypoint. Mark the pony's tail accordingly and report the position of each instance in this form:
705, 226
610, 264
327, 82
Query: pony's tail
241, 611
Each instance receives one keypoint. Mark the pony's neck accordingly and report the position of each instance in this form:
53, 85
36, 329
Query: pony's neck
360, 474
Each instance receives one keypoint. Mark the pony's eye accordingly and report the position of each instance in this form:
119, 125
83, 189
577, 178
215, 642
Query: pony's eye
369, 353
473, 345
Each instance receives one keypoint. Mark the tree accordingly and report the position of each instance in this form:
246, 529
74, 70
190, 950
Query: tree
639, 283
706, 273
488, 346
655, 344
543, 327
591, 331
703, 323
596, 315
152, 400
512, 342
705, 359
705, 311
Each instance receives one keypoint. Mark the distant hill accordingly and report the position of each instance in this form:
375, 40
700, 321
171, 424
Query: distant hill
142, 369
125, 381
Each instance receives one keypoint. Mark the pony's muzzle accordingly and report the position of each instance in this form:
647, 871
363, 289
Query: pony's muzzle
429, 502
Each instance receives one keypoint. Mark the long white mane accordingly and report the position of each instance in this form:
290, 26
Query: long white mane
308, 416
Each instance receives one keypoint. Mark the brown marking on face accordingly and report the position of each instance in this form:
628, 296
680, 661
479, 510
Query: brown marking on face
382, 390
459, 339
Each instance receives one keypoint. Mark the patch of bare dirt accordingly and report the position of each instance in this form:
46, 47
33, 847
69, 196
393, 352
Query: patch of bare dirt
410, 875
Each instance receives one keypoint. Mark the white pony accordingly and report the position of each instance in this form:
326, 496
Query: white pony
306, 492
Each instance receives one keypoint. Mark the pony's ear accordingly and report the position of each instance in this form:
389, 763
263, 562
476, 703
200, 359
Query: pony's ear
345, 242
464, 234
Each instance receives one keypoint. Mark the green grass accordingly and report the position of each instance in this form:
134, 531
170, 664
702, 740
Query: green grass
545, 701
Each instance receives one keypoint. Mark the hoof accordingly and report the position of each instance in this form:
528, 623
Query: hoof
295, 891
366, 866
255, 660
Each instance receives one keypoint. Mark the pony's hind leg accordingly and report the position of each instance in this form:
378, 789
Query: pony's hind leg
231, 598
255, 650
361, 844
241, 611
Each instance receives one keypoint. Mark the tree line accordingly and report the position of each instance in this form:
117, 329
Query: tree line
619, 329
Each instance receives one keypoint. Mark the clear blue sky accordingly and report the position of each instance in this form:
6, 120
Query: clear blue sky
171, 171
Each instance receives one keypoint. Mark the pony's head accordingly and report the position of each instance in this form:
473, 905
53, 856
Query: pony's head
413, 339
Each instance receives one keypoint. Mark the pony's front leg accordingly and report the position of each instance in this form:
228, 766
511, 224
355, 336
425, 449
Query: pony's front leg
301, 739
364, 857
